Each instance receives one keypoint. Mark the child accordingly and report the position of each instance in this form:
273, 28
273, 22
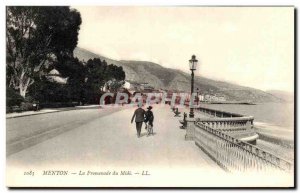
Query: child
149, 117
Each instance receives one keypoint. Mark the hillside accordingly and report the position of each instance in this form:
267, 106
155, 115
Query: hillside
167, 78
287, 96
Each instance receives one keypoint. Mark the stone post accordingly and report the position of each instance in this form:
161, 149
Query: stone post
249, 125
190, 129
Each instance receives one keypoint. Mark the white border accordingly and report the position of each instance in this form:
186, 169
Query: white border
115, 3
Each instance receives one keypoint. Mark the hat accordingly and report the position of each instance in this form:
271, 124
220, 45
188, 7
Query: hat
150, 107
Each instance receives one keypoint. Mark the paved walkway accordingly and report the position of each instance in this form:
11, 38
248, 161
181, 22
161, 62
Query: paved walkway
105, 144
110, 142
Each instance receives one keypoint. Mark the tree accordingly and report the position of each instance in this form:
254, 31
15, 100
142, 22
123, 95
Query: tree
115, 72
99, 75
47, 92
115, 77
95, 69
35, 37
114, 85
75, 72
13, 98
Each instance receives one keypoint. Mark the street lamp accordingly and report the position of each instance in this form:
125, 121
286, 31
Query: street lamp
197, 97
193, 65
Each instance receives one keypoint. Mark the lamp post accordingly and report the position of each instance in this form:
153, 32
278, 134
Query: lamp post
193, 65
197, 97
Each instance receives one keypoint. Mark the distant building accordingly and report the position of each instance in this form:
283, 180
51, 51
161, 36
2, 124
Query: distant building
126, 85
201, 97
107, 85
213, 98
131, 91
54, 76
148, 87
133, 85
207, 97
220, 98
142, 87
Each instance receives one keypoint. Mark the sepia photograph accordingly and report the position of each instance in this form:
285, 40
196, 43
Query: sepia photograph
150, 96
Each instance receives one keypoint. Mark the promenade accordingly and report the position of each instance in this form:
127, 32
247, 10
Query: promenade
55, 149
102, 142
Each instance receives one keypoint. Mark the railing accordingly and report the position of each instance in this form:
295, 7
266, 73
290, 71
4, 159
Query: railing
229, 124
233, 154
218, 113
236, 125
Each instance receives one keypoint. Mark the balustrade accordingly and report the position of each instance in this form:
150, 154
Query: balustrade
235, 155
220, 136
229, 124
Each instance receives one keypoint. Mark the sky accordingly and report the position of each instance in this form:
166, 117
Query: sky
249, 46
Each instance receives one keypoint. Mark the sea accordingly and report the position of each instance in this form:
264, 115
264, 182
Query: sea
279, 114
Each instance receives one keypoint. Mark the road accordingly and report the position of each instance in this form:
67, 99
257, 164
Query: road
101, 140
23, 132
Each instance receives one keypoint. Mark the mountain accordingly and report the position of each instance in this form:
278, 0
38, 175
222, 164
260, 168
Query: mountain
172, 79
287, 96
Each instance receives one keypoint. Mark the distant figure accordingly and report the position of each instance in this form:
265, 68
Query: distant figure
139, 115
183, 122
173, 109
149, 118
177, 113
184, 116
36, 106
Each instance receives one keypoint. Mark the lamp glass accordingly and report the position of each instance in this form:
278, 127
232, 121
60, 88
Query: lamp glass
193, 64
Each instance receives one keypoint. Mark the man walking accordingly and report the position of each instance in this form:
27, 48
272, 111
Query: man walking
139, 115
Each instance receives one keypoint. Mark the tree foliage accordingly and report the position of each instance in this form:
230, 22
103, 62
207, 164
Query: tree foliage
35, 37
85, 82
13, 98
99, 75
75, 72
40, 39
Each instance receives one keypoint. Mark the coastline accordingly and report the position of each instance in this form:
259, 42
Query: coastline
275, 138
230, 103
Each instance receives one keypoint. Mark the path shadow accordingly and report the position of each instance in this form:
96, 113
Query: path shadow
145, 134
154, 133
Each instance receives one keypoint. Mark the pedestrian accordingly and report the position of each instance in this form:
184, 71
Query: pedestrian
149, 118
139, 115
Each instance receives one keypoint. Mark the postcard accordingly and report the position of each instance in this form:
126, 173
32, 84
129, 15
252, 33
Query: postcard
150, 96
